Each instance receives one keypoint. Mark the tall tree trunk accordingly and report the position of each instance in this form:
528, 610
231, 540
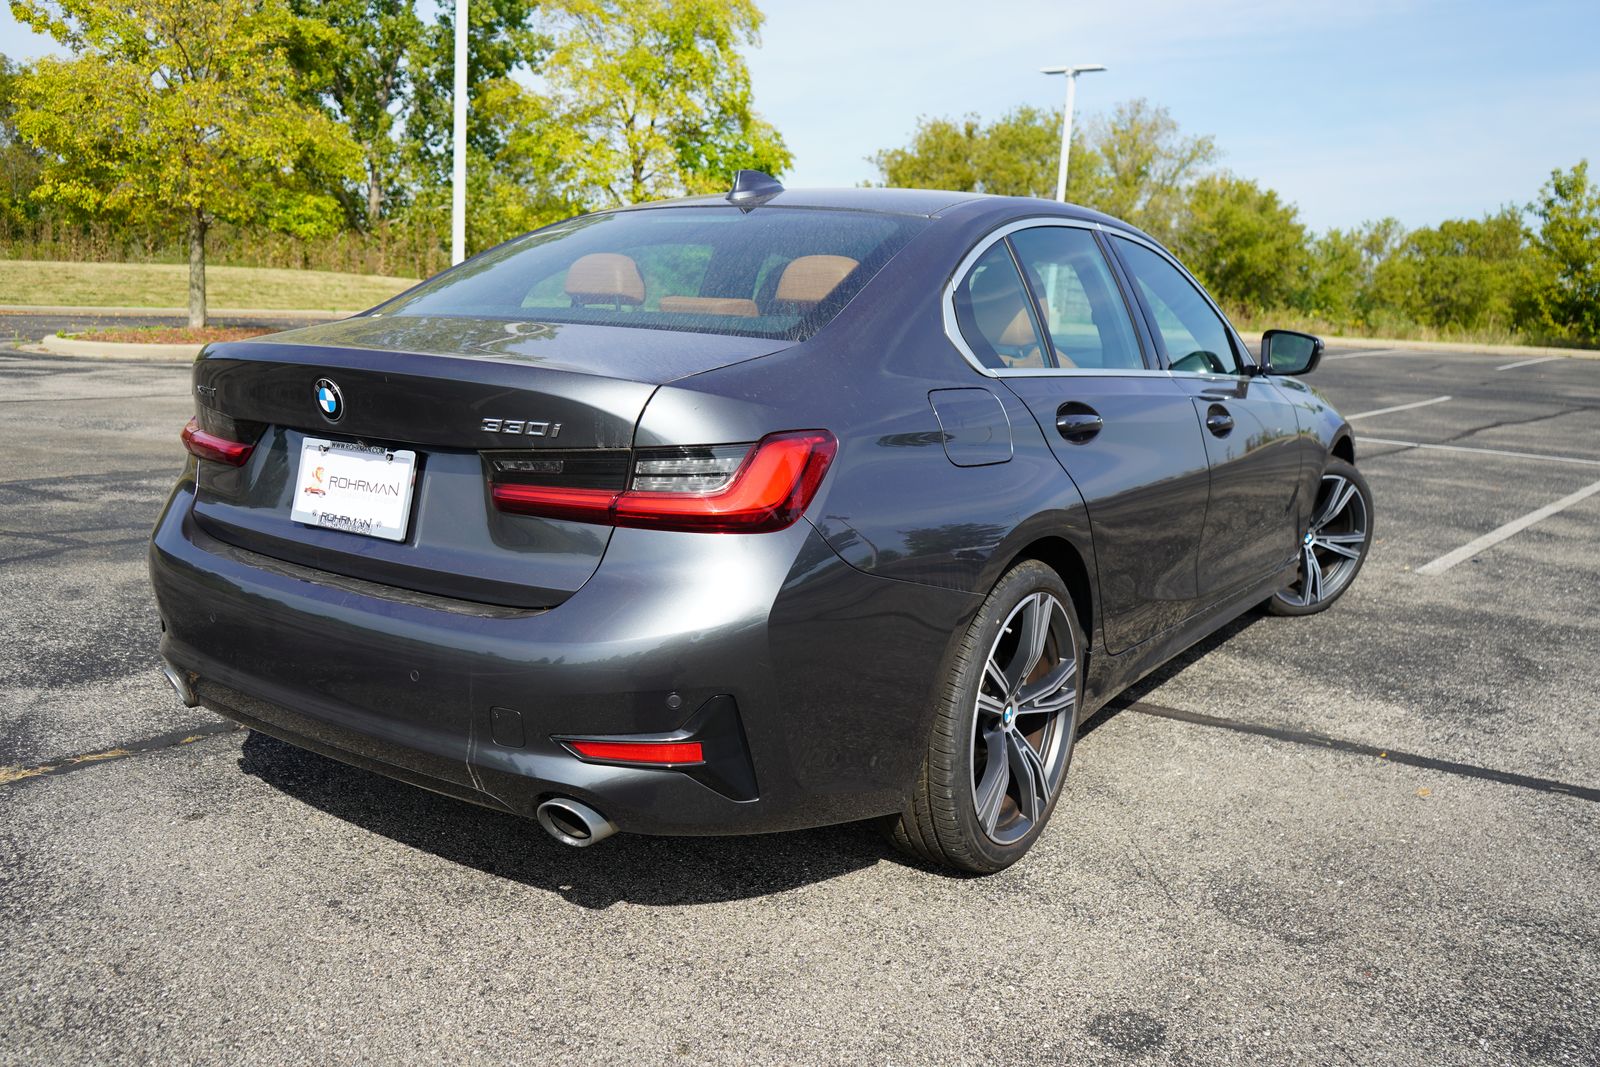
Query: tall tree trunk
374, 195
197, 270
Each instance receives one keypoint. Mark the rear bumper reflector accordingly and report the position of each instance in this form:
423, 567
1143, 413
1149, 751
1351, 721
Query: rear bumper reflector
676, 753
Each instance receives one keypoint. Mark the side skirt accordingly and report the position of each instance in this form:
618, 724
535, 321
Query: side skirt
1111, 674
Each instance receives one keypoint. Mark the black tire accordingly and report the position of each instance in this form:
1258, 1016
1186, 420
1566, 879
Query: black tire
941, 821
1330, 523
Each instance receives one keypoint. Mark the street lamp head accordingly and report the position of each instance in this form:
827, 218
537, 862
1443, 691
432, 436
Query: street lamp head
1070, 71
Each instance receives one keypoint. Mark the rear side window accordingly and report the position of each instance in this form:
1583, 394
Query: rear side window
1085, 317
781, 273
994, 313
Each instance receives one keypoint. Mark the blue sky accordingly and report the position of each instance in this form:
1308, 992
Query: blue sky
1420, 109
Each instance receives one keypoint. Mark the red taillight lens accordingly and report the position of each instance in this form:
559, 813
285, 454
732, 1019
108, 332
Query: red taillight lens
658, 752
210, 446
770, 489
554, 502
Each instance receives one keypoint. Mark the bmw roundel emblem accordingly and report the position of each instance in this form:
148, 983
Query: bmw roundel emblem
329, 400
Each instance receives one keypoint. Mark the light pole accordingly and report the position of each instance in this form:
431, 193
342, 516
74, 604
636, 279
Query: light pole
458, 163
1066, 121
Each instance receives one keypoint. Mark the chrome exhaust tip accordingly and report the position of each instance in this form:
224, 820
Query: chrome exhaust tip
180, 685
573, 822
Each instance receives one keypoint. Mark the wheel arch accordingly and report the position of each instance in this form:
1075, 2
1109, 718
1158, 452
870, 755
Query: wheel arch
1344, 446
1063, 557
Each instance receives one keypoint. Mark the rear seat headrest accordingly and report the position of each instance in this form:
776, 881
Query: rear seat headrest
605, 278
810, 279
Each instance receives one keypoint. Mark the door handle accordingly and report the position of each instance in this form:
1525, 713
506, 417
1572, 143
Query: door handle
1078, 423
1218, 421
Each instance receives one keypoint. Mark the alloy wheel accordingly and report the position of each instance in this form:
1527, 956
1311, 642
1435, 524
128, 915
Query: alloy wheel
1022, 729
1331, 550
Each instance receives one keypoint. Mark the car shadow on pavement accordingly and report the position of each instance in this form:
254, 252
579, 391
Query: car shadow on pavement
651, 871
1169, 670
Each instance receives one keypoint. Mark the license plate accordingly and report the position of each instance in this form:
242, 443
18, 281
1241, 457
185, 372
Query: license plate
356, 488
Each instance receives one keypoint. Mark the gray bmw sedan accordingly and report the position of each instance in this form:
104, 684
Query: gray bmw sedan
749, 513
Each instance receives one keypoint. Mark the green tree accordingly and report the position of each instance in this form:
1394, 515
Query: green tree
184, 110
19, 161
1243, 242
1333, 283
360, 67
1568, 243
1015, 155
1464, 274
1133, 163
1341, 267
651, 98
527, 182
1137, 165
943, 154
503, 36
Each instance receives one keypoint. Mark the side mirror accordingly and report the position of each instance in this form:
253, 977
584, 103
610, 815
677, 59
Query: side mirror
1289, 352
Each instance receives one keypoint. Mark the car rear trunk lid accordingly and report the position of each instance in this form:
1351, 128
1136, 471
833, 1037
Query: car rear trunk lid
448, 390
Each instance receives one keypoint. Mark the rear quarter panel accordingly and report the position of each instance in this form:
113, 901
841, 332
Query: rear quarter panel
894, 504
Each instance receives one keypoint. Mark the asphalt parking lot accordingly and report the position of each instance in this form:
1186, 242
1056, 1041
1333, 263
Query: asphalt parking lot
1372, 836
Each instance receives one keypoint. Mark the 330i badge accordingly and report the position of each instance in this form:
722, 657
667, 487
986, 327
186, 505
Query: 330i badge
795, 508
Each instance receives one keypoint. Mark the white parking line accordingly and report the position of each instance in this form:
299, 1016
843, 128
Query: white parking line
1515, 526
1528, 362
1482, 451
1397, 407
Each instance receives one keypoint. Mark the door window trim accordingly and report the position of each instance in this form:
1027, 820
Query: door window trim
1150, 350
952, 327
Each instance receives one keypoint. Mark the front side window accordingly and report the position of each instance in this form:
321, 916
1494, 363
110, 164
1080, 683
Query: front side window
781, 273
1084, 314
995, 314
1195, 336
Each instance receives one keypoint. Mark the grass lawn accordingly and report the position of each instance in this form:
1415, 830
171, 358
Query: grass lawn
167, 285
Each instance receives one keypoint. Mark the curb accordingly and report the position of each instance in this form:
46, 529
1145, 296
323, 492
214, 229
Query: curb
1461, 346
56, 345
1449, 346
167, 313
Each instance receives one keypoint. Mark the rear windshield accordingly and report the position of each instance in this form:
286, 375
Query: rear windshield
781, 273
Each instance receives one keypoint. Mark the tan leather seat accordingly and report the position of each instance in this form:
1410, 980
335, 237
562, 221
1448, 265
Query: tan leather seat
1020, 333
605, 278
811, 279
710, 305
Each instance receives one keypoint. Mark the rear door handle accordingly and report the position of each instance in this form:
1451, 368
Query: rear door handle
1218, 421
1078, 423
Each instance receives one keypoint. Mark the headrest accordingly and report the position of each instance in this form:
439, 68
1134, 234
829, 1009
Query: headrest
605, 278
1019, 331
710, 305
998, 307
810, 279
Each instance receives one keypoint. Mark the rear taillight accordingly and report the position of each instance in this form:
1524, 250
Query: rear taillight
215, 447
703, 488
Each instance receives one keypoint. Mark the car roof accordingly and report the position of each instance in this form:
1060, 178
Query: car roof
925, 202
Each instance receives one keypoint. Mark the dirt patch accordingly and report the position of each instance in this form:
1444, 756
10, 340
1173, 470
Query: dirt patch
170, 335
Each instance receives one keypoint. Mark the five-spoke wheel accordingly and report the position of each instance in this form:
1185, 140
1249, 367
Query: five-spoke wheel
1023, 711
1334, 545
1003, 730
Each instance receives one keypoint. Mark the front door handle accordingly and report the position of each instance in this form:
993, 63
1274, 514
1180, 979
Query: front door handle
1078, 423
1218, 421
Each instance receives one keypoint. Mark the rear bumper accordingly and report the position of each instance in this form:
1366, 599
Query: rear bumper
831, 673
